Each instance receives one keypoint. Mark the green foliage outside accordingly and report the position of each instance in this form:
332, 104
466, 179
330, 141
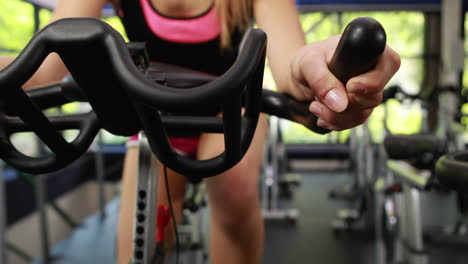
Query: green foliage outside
404, 34
17, 25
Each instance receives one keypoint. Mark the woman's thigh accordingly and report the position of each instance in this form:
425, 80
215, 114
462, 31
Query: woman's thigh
240, 183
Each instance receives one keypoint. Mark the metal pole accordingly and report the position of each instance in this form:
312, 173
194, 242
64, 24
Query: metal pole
452, 43
37, 20
100, 175
2, 217
41, 202
265, 174
432, 65
380, 251
404, 223
414, 229
452, 54
274, 164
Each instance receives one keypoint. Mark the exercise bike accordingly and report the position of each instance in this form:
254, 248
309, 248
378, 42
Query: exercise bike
139, 104
411, 167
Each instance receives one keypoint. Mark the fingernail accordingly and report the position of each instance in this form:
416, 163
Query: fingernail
315, 109
336, 100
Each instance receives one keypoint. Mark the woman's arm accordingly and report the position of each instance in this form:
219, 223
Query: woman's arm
279, 19
53, 69
301, 70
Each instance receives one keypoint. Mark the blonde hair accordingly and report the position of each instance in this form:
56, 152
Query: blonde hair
233, 15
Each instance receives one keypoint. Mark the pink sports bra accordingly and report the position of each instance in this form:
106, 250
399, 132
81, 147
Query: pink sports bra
202, 28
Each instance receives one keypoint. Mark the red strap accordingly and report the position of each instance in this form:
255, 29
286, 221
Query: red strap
163, 217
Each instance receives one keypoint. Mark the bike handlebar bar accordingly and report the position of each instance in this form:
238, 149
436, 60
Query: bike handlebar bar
125, 101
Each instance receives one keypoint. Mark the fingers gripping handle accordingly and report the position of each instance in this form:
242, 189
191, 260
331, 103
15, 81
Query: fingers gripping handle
360, 46
358, 50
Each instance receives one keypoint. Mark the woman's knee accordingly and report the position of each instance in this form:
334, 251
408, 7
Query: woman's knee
234, 198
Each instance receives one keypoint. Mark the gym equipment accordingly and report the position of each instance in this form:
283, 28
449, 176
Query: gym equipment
385, 189
421, 151
359, 218
451, 171
366, 160
273, 182
141, 104
406, 233
274, 212
399, 230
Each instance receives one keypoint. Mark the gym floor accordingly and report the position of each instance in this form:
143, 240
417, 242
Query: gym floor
310, 240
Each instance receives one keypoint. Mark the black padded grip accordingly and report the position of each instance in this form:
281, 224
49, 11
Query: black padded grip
358, 50
360, 46
452, 171
406, 147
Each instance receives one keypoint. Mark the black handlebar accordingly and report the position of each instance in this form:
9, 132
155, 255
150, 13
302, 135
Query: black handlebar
51, 95
123, 98
360, 46
402, 147
390, 93
452, 171
272, 103
125, 101
421, 150
396, 92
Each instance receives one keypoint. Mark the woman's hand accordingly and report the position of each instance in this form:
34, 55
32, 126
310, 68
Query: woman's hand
336, 106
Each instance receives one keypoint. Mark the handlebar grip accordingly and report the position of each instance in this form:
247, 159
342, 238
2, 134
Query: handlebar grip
403, 147
359, 48
396, 92
452, 171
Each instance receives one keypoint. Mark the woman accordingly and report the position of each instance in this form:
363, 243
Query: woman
204, 35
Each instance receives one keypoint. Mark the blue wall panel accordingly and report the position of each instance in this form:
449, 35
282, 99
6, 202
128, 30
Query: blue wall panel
381, 5
367, 2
